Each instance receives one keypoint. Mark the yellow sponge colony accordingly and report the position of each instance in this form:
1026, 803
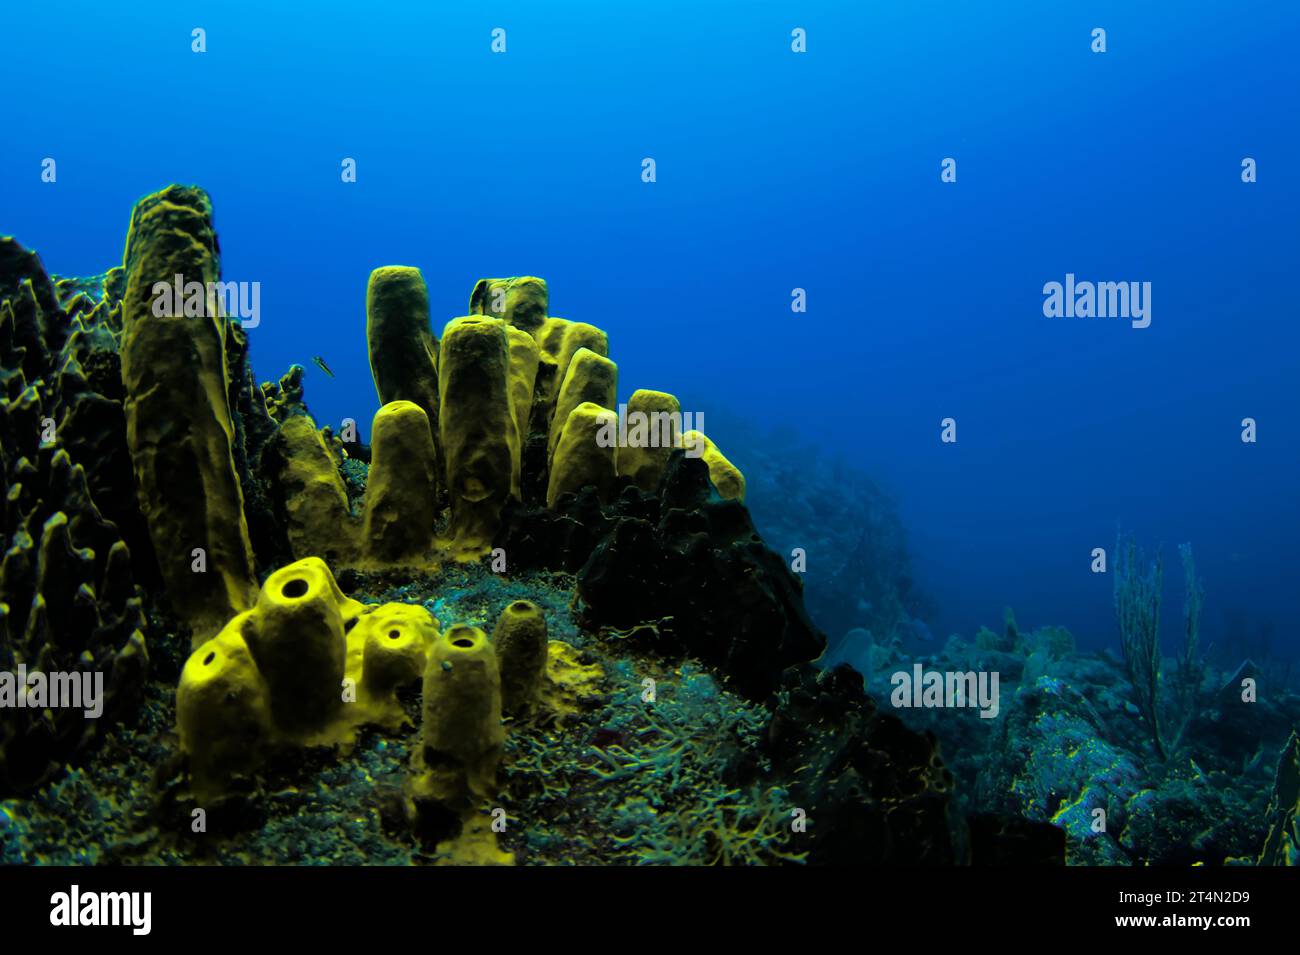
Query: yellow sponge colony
726, 477
479, 437
520, 643
507, 377
653, 425
306, 666
585, 453
462, 737
401, 494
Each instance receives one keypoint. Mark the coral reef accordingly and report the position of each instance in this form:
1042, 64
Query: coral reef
1282, 845
70, 593
876, 792
688, 570
649, 660
1070, 747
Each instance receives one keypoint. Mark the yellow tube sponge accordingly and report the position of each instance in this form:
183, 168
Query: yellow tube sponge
403, 351
585, 453
522, 301
316, 502
590, 378
395, 645
223, 710
306, 666
524, 359
726, 477
462, 737
579, 335
299, 646
520, 643
401, 493
178, 424
550, 337
653, 426
479, 437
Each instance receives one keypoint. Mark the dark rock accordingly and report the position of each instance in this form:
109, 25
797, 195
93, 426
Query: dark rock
875, 792
1000, 839
704, 577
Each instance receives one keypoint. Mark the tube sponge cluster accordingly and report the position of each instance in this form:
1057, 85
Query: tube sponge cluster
305, 666
308, 666
512, 404
459, 424
500, 379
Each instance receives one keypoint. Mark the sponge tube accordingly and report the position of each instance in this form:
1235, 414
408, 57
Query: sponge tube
520, 642
222, 709
479, 434
654, 428
585, 453
462, 737
401, 496
590, 377
299, 646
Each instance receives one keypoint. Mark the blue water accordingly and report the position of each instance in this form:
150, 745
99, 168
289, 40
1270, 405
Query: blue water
775, 171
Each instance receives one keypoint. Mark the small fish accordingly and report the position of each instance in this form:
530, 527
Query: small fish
320, 363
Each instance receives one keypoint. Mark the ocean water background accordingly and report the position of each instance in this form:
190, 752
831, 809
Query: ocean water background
775, 171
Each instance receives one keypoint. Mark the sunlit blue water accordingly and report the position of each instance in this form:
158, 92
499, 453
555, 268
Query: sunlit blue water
775, 171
